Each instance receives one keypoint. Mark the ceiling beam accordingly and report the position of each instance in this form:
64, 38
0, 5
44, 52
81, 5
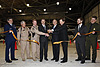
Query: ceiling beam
88, 6
70, 18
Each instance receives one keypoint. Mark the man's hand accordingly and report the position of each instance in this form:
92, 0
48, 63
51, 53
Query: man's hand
79, 34
10, 31
74, 41
46, 34
18, 43
50, 31
93, 32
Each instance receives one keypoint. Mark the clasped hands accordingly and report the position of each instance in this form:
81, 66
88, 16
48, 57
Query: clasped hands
50, 31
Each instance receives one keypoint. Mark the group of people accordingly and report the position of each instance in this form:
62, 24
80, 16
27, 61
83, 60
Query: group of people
84, 42
40, 34
59, 33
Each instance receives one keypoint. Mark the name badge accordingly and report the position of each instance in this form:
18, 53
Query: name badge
93, 28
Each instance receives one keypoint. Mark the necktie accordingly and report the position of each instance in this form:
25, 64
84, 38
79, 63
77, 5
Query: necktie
79, 27
53, 27
44, 27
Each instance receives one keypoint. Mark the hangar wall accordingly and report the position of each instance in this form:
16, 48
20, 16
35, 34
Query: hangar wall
94, 12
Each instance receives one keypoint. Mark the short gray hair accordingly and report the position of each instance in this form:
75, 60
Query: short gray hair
22, 22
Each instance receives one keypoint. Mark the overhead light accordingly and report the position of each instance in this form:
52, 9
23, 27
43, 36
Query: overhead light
23, 14
45, 12
66, 12
20, 10
57, 3
28, 5
70, 8
44, 9
0, 6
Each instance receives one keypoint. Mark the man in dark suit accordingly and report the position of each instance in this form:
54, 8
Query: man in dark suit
63, 36
10, 40
43, 41
80, 40
55, 38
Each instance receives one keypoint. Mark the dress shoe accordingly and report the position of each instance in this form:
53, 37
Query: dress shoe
87, 58
46, 59
56, 60
93, 61
34, 59
23, 59
9, 61
62, 58
77, 59
40, 60
14, 59
38, 57
29, 58
63, 61
52, 59
82, 62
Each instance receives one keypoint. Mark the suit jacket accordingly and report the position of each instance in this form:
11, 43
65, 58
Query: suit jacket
55, 34
83, 30
43, 37
9, 36
63, 35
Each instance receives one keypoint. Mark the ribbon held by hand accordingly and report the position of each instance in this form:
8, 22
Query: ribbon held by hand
16, 37
75, 37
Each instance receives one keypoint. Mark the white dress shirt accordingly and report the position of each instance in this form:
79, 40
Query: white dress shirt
54, 27
79, 26
11, 24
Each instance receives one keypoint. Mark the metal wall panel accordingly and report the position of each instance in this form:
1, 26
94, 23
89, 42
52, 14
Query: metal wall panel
94, 12
95, 9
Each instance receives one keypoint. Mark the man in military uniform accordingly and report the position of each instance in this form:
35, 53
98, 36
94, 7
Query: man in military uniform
23, 33
91, 39
10, 40
35, 36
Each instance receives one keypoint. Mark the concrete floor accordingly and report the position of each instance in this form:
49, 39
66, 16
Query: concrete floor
30, 63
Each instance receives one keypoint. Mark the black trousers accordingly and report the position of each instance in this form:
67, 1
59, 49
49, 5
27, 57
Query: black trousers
65, 51
56, 49
91, 42
43, 49
10, 44
80, 47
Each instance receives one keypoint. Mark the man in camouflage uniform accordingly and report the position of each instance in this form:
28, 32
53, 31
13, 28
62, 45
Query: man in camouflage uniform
23, 33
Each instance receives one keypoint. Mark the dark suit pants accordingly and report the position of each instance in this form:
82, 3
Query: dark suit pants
65, 50
56, 48
80, 47
10, 44
43, 49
